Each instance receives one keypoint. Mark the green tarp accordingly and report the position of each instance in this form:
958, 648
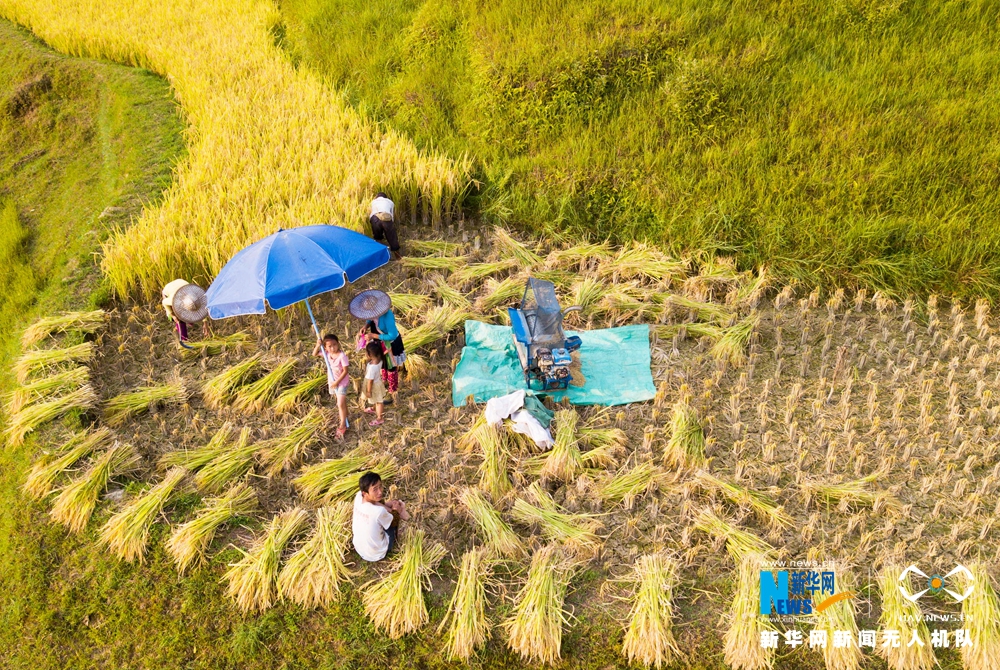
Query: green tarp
615, 364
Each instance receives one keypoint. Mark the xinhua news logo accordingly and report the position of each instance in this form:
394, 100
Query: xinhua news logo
935, 583
798, 592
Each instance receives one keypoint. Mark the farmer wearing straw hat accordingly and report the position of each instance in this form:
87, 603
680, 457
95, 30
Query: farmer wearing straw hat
184, 303
383, 222
375, 307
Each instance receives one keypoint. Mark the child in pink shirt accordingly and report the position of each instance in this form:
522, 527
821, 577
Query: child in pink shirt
337, 378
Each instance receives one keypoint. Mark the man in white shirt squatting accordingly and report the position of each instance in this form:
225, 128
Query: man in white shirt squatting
383, 223
375, 520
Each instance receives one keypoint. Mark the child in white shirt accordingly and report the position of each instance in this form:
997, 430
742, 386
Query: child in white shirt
374, 389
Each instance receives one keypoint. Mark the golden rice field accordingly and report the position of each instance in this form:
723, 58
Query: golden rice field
789, 423
269, 146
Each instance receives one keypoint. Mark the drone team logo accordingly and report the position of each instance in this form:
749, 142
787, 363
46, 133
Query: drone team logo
935, 583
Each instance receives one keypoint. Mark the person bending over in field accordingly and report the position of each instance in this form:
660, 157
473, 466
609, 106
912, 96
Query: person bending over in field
383, 223
337, 378
376, 521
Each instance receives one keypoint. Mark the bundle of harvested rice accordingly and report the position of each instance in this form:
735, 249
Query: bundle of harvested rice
508, 247
255, 396
739, 543
686, 446
449, 296
494, 474
981, 614
123, 407
218, 390
708, 312
293, 397
498, 293
195, 459
231, 463
649, 637
534, 629
496, 533
564, 462
433, 247
732, 346
127, 532
840, 617
314, 574
409, 305
449, 263
742, 648
900, 614
283, 452
44, 473
763, 507
576, 530
847, 495
61, 382
581, 253
640, 260
214, 346
345, 488
36, 360
190, 541
253, 579
75, 504
79, 322
466, 622
479, 271
33, 416
396, 603
625, 486
314, 481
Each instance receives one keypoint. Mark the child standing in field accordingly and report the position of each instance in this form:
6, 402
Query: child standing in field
337, 378
374, 389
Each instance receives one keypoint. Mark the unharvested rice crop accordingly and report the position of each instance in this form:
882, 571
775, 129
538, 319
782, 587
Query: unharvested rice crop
188, 544
33, 416
247, 104
281, 453
316, 573
37, 360
467, 625
904, 616
534, 629
742, 647
127, 532
252, 581
395, 603
75, 504
44, 472
79, 322
121, 408
649, 637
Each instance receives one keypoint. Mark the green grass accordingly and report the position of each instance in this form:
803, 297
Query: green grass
854, 141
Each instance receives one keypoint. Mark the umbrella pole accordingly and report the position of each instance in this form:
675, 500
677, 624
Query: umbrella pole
322, 349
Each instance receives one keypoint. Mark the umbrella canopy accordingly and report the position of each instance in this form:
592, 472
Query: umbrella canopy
290, 266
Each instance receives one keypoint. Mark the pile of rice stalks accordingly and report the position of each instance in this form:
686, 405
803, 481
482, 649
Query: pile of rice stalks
77, 322
840, 617
981, 611
32, 416
395, 604
575, 530
75, 504
337, 478
218, 390
848, 495
742, 645
256, 396
216, 345
190, 541
467, 624
62, 381
534, 629
625, 486
253, 580
686, 446
229, 464
900, 614
38, 360
281, 453
762, 506
123, 407
739, 543
127, 532
195, 459
314, 574
296, 395
44, 472
649, 637
496, 533
509, 247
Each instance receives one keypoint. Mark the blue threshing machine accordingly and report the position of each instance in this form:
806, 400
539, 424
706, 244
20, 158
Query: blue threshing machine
542, 346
